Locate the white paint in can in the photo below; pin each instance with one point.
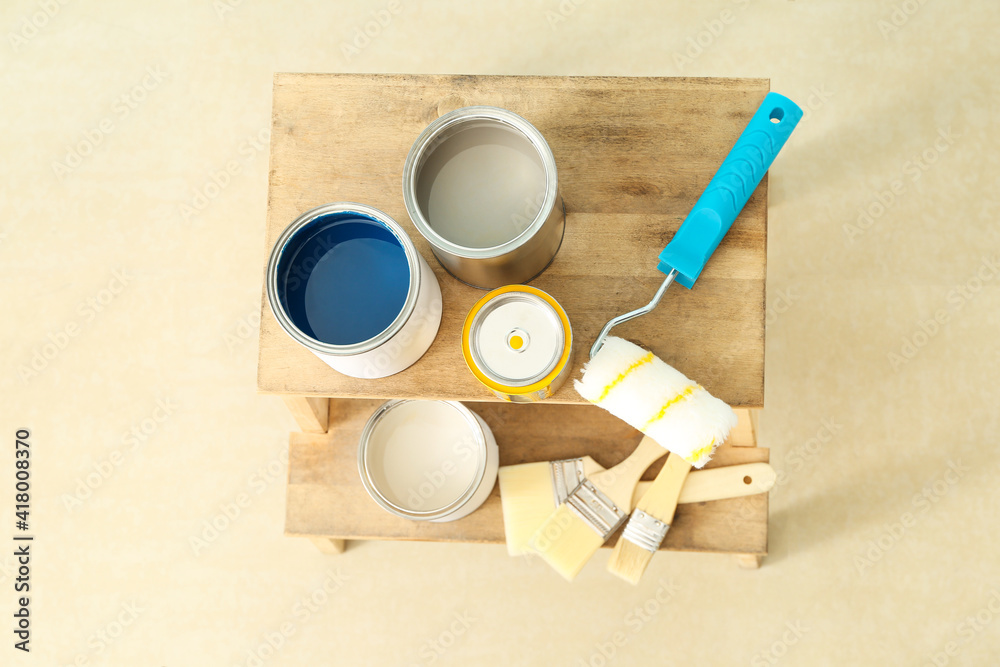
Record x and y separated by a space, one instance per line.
428 460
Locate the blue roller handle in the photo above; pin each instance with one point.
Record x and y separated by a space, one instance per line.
728 191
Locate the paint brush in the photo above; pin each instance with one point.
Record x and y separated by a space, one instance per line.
530 492
660 401
641 389
649 522
592 512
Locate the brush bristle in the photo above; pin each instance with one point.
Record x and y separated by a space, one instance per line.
527 501
629 561
566 542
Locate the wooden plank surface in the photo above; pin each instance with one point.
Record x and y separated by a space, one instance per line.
311 413
633 155
326 498
743 435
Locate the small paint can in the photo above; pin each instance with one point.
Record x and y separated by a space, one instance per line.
517 341
480 185
427 460
345 281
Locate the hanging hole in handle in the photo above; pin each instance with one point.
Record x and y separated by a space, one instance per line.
747 480
776 115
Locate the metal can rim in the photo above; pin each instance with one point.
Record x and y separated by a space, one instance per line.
551 376
463 115
476 429
386 334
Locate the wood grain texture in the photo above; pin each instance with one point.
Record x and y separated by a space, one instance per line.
326 498
311 413
743 434
633 155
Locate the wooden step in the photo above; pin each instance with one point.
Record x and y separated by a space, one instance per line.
326 498
633 155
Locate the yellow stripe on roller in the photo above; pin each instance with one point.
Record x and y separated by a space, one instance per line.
644 359
687 391
697 455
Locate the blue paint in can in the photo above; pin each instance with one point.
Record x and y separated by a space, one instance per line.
343 278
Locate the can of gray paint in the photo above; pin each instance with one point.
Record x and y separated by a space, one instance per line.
480 184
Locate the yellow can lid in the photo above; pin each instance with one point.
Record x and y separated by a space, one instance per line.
517 339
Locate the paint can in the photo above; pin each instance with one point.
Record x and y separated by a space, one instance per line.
517 341
427 460
480 185
345 281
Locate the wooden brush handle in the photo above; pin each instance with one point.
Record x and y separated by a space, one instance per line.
746 479
619 482
736 481
661 499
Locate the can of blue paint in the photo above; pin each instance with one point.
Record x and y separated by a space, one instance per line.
480 184
345 281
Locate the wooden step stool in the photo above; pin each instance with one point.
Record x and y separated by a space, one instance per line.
633 155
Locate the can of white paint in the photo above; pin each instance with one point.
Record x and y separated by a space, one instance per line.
427 460
480 184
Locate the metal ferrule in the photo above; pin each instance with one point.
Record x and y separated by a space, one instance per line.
645 530
593 506
566 476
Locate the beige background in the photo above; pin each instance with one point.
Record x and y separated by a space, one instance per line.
863 569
